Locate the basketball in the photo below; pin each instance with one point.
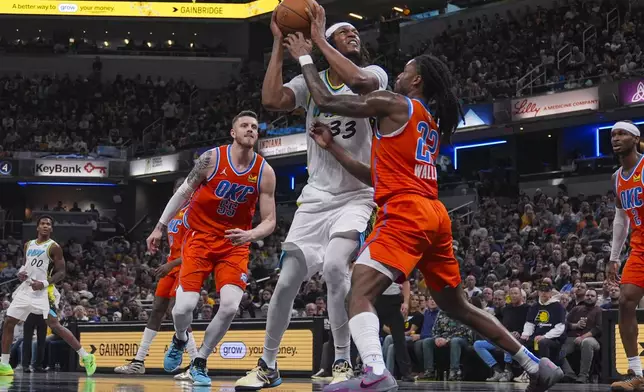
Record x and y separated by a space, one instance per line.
292 17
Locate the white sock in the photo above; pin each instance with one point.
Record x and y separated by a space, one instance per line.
5 359
528 361
270 355
146 341
191 347
82 353
635 364
229 298
364 329
337 275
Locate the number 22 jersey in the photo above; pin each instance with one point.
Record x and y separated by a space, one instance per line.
227 198
630 191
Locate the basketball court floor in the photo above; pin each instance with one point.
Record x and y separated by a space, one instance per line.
77 382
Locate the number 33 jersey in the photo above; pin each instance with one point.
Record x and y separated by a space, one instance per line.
353 134
630 192
227 198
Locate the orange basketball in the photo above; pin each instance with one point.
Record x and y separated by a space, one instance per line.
292 17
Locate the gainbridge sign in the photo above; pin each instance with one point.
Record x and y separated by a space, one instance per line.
139 9
621 363
238 350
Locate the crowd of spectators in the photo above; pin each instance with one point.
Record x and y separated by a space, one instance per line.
487 55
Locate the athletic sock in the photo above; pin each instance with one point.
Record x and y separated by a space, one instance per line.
527 360
5 359
182 335
146 341
191 347
82 353
635 364
270 356
364 329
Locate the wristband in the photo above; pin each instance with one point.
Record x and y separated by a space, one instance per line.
304 60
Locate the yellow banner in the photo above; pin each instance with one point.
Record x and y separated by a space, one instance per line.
238 350
621 362
138 9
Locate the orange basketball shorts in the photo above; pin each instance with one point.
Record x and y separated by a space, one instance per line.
167 286
203 254
415 232
633 272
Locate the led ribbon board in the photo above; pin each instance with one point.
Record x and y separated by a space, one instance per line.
139 9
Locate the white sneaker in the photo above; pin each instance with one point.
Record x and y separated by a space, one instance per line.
185 376
342 371
134 367
524 378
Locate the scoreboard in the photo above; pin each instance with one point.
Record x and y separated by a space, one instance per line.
208 9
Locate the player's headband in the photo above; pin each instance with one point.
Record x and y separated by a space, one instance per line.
628 127
335 27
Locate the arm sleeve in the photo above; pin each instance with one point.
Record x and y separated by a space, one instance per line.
383 78
177 200
555 332
301 91
620 232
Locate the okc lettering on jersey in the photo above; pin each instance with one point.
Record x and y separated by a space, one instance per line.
173 228
631 198
232 195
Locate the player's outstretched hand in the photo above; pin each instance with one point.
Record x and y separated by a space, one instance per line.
22 276
239 236
321 134
162 270
154 240
275 29
317 16
297 45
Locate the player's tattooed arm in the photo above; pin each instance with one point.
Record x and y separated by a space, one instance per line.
380 103
59 264
203 167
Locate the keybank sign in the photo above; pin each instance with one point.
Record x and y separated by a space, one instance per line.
71 168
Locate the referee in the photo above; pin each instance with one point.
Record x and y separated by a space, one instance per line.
390 306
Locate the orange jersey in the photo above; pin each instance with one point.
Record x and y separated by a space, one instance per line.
630 191
403 162
176 232
227 199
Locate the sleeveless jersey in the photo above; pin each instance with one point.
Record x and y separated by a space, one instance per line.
630 191
227 199
353 134
38 265
403 162
176 232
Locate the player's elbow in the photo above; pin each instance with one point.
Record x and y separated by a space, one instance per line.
277 101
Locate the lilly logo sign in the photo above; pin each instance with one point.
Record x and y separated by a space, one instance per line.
232 350
632 92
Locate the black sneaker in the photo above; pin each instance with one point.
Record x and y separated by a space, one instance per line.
258 378
40 369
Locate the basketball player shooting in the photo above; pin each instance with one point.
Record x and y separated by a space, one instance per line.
334 207
44 267
165 293
413 229
225 185
629 208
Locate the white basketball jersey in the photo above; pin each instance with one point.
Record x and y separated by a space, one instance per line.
38 264
353 134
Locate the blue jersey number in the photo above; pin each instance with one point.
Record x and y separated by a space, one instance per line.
427 143
227 208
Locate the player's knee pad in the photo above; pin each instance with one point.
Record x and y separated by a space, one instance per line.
185 302
230 297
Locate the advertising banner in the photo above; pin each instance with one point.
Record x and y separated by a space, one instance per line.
238 350
139 9
620 360
480 115
282 145
6 168
154 165
559 103
631 92
71 168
